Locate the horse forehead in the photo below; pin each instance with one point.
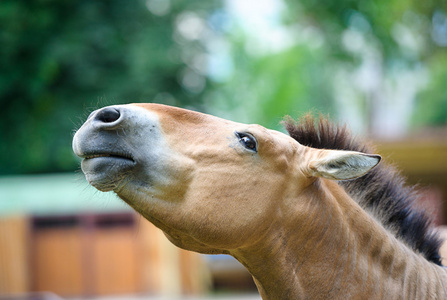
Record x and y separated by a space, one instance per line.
174 120
171 118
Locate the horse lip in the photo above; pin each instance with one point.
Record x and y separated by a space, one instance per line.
111 155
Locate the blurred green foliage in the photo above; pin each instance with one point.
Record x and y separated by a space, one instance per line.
59 60
263 89
389 53
406 35
431 108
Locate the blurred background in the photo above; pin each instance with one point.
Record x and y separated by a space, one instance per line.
379 66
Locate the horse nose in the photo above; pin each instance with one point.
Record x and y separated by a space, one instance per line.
107 115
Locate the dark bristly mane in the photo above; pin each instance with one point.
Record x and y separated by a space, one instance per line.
381 192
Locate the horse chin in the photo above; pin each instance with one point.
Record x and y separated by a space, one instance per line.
106 173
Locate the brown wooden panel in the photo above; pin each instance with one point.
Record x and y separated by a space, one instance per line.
14 273
110 254
167 269
150 256
417 157
116 267
58 261
195 277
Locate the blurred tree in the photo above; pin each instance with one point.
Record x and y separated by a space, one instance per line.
266 70
391 49
431 107
362 60
265 88
61 59
375 64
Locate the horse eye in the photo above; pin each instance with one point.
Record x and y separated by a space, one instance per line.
248 141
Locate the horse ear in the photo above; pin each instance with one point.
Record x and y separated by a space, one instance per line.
341 165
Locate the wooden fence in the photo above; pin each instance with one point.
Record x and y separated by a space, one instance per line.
87 255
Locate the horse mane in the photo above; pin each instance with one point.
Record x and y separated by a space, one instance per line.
381 192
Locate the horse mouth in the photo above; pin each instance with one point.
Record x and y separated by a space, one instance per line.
124 156
99 162
106 170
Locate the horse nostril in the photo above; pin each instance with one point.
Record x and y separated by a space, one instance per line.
108 115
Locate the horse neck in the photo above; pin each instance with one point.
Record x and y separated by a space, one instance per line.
327 247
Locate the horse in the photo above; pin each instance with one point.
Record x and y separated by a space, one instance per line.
311 214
